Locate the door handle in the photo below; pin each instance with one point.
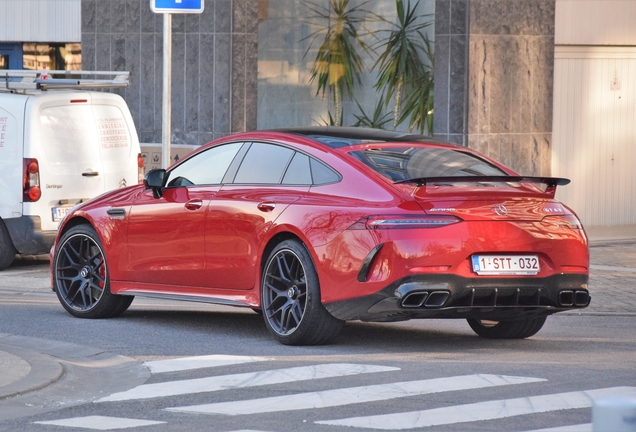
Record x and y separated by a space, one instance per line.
267 206
194 204
89 173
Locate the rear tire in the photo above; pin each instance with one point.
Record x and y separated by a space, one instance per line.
507 329
81 278
290 298
7 250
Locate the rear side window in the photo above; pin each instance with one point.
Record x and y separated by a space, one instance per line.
264 164
408 163
205 168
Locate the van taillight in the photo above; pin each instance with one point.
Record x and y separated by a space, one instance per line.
140 169
31 191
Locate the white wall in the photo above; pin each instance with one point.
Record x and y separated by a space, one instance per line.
594 132
595 22
594 123
40 20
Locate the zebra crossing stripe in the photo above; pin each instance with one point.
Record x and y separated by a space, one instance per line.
490 410
347 396
100 423
251 379
189 363
587 427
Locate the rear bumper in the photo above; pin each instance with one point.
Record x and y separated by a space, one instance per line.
27 235
451 296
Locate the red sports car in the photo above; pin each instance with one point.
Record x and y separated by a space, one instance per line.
316 226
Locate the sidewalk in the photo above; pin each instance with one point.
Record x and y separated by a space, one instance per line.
28 364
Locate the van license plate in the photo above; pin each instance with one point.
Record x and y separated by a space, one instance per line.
506 264
60 212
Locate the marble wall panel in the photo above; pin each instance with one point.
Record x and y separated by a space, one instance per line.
126 35
88 16
206 82
457 85
192 83
238 82
178 87
222 83
441 90
133 65
88 51
459 10
148 98
509 61
132 17
117 16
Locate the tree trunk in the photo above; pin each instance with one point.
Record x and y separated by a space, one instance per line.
337 100
398 102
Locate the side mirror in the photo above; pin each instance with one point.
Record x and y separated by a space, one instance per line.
154 180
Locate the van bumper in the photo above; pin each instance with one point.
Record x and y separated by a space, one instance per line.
27 235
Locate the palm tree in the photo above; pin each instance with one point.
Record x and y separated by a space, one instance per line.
337 65
400 63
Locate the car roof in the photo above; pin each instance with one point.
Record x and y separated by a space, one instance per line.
337 136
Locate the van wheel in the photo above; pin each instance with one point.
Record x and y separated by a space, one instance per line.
7 250
290 298
80 276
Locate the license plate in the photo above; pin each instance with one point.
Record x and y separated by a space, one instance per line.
506 264
60 212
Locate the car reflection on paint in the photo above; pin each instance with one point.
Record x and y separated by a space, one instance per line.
317 226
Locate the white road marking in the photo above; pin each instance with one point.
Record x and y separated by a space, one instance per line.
347 396
189 363
587 427
251 379
100 423
490 410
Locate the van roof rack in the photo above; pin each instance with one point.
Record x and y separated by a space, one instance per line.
73 79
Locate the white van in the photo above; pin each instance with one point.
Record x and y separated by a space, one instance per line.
59 146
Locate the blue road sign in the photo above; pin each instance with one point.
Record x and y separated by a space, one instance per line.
176 6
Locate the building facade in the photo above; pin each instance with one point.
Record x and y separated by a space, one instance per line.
544 86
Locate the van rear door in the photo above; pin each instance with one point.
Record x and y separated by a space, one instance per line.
82 149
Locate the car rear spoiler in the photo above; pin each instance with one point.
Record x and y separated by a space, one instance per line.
551 182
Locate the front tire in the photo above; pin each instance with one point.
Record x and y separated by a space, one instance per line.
7 250
290 298
507 329
81 278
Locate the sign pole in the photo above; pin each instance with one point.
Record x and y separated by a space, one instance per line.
166 102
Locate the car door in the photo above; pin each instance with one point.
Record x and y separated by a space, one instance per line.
245 209
166 234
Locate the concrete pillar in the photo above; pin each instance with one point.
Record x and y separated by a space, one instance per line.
494 64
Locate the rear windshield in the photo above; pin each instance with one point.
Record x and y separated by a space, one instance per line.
409 163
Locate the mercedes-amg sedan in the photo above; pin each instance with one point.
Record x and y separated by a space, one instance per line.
317 226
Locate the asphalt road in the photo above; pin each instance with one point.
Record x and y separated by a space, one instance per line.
418 375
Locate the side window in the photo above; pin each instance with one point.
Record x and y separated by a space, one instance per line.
298 172
322 174
264 164
205 168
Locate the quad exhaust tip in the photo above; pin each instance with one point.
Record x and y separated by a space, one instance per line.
578 298
428 299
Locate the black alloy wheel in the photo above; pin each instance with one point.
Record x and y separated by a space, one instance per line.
290 298
519 329
80 276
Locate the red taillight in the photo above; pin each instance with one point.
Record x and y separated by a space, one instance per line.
140 169
404 222
565 221
31 190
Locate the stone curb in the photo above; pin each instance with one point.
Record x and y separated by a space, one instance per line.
44 372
